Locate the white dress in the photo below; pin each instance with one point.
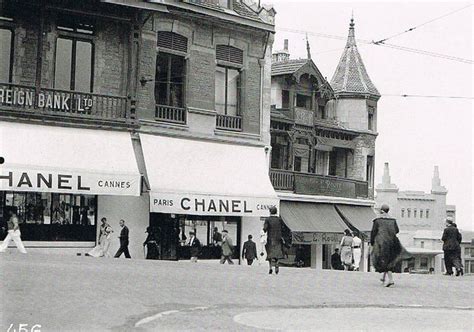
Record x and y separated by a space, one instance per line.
356 251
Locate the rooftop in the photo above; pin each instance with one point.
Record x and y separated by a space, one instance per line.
351 76
287 67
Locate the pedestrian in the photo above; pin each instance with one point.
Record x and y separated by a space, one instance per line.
123 241
249 251
151 244
387 251
13 233
336 260
216 237
451 246
105 233
227 248
458 252
356 250
346 249
272 228
194 246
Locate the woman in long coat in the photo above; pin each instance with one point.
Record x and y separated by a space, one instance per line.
387 251
273 247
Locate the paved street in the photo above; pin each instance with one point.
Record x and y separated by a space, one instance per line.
82 293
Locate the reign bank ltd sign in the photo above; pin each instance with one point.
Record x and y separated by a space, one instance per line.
51 100
215 205
69 182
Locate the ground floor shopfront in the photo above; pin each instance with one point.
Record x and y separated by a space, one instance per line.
316 226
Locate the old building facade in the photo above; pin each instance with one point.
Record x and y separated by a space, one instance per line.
156 113
323 148
421 218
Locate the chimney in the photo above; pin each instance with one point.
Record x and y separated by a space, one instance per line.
285 48
436 186
386 184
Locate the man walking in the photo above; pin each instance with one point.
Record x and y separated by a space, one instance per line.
249 252
336 260
451 246
227 248
195 247
13 234
123 241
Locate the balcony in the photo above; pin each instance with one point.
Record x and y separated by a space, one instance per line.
229 122
315 184
18 99
170 114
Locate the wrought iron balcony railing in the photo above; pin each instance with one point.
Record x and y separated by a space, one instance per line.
170 114
229 122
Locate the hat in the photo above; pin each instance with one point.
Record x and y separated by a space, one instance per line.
192 233
385 208
449 220
224 231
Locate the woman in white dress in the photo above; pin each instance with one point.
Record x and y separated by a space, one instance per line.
356 250
102 249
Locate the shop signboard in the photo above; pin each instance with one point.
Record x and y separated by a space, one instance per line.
316 238
71 182
215 205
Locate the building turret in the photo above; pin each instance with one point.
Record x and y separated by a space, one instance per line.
282 55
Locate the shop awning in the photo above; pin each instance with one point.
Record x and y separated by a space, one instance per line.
311 217
360 217
312 223
200 177
67 160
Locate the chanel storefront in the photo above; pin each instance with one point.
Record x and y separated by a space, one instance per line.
61 181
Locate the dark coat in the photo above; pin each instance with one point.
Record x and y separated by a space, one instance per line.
124 236
451 238
272 227
387 251
195 247
250 250
336 262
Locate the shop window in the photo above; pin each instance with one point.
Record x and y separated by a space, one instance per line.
469 252
403 213
73 64
303 101
408 213
469 266
6 55
52 217
285 99
227 84
170 80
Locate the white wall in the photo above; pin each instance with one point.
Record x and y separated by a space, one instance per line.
135 212
353 113
276 94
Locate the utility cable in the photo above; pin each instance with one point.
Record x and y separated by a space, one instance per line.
381 41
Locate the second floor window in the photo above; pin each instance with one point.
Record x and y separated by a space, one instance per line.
74 64
370 124
408 213
427 214
227 90
285 99
414 213
403 213
169 80
303 101
421 214
6 51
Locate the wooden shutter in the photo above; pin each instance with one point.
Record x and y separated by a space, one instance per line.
172 41
229 54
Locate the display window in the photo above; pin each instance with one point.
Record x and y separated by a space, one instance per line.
51 216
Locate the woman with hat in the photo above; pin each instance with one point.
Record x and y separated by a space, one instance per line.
387 251
346 249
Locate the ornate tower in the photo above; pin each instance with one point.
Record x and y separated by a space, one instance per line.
356 108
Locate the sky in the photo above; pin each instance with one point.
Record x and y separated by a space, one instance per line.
415 134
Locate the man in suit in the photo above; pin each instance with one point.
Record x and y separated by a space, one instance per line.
249 252
195 247
451 246
123 241
336 260
227 248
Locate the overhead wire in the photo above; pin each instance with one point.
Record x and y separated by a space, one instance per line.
420 25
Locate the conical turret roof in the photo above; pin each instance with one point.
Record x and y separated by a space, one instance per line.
350 76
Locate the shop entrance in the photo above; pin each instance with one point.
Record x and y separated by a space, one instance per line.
172 233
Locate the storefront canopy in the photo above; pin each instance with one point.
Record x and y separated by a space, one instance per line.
360 217
312 223
67 160
207 178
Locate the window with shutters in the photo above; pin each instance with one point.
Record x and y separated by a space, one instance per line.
229 54
228 80
169 80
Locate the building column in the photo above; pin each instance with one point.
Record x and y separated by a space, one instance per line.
317 256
